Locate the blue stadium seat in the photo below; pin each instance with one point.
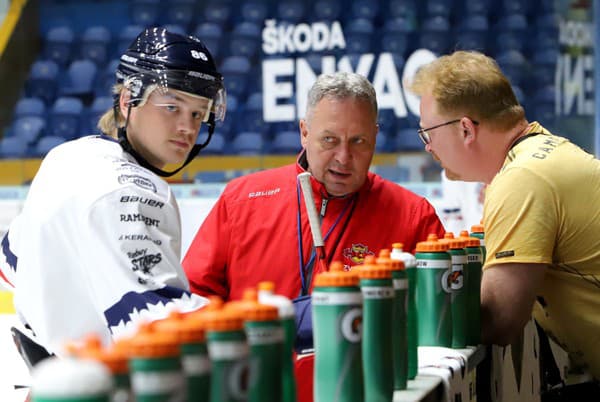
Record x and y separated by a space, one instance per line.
544 63
29 128
216 146
387 120
211 34
255 11
79 80
217 176
511 22
513 7
144 12
402 8
252 119
290 11
29 107
545 95
286 142
58 44
396 36
42 80
13 147
235 69
95 44
358 33
180 12
382 142
520 95
65 118
441 8
435 34
245 40
106 79
472 32
126 36
45 144
472 40
218 12
175 28
364 9
248 143
99 106
407 139
514 65
326 10
477 7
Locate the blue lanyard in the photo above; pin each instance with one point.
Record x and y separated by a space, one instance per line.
305 269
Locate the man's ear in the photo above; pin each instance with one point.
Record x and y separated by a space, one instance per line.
124 99
303 132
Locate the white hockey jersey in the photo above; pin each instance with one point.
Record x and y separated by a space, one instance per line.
96 247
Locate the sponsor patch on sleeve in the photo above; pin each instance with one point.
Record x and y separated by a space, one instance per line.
507 253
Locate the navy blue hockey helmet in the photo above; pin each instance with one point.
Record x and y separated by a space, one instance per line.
159 59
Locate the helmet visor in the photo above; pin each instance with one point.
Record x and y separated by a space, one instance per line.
192 82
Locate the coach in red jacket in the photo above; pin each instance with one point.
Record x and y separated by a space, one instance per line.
259 230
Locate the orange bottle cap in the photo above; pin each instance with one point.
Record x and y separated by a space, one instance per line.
186 329
469 241
477 229
251 309
372 270
454 244
218 318
384 252
336 276
398 245
268 286
448 235
431 244
116 359
148 343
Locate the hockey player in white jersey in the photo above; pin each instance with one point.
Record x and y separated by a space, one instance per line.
96 247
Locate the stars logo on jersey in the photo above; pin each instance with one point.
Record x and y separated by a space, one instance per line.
357 253
143 263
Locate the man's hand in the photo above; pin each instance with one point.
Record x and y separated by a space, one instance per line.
507 295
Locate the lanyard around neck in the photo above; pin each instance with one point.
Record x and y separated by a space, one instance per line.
306 269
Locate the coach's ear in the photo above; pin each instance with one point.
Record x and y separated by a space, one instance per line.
303 132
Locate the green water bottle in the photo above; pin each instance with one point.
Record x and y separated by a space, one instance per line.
70 380
378 307
399 342
458 284
474 258
410 265
228 352
479 232
155 364
433 293
337 322
265 339
190 332
285 309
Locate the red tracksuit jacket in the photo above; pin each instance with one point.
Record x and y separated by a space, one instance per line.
259 225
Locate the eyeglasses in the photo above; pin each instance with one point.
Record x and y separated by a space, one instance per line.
424 132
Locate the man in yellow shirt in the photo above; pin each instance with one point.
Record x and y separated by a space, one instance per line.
541 210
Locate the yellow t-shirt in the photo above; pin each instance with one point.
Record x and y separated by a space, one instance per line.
544 207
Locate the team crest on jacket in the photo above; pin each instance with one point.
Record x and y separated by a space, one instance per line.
357 253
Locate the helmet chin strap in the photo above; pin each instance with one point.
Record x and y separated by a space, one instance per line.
127 147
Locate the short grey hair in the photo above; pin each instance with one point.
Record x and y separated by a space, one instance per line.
341 85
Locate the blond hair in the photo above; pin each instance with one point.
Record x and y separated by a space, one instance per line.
470 83
106 123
